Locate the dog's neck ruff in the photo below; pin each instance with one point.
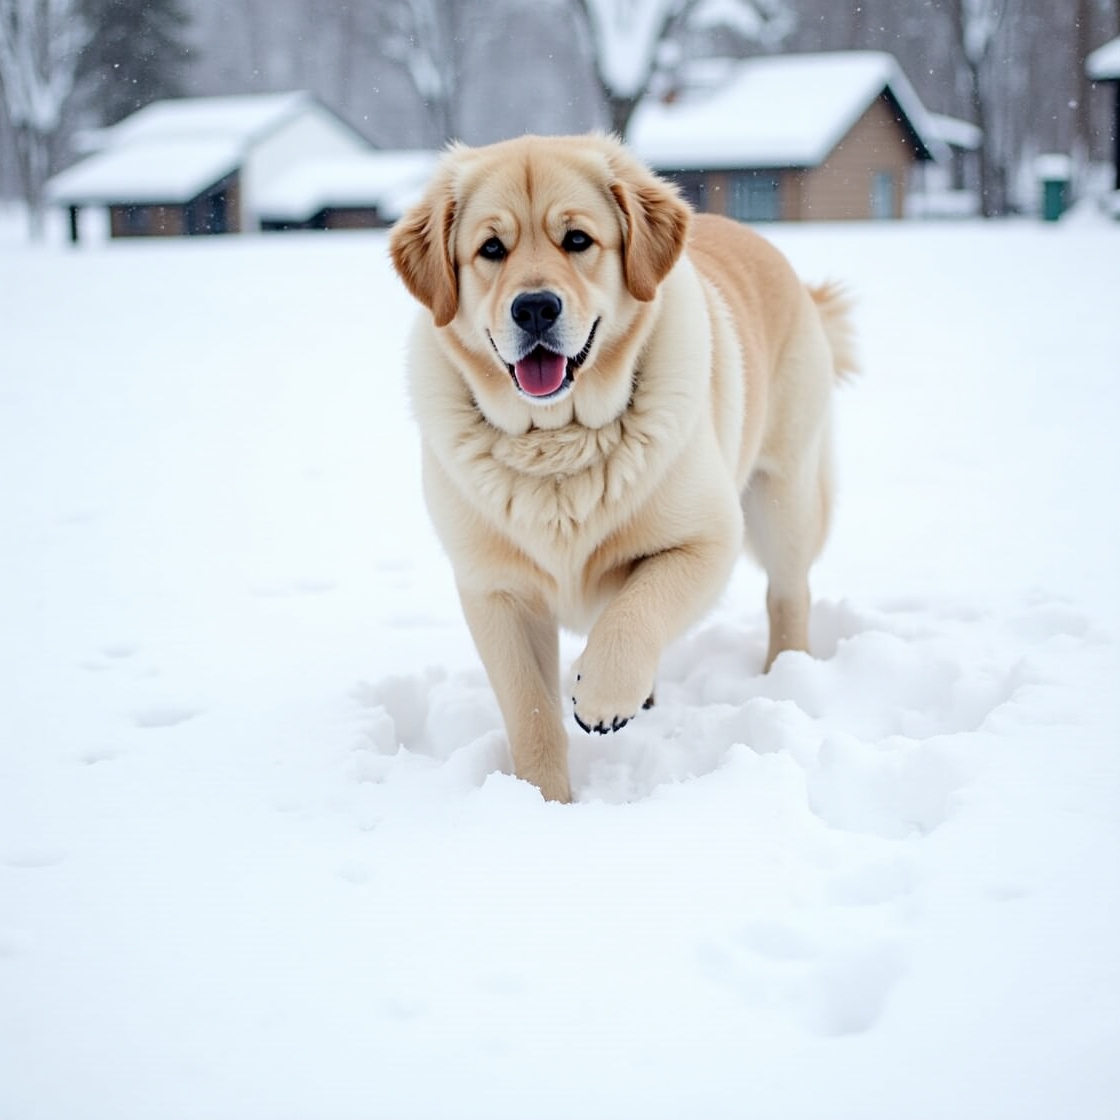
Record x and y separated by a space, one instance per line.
554 480
558 452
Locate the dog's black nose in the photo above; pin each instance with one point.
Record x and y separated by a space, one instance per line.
535 312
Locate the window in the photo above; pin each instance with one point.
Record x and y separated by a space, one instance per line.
882 195
755 197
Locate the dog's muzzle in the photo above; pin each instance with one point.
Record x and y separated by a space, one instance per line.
543 371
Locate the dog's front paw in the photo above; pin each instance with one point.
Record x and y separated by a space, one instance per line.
603 725
605 702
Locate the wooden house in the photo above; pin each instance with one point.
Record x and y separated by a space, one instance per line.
829 137
198 165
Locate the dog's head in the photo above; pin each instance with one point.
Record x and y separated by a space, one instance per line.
538 257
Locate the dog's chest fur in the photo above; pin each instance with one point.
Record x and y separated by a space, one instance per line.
568 498
554 492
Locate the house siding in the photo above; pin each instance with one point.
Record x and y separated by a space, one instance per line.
790 187
233 194
147 221
350 217
717 193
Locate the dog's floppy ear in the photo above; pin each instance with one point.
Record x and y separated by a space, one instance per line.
656 221
420 246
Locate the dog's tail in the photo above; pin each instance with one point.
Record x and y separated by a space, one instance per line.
834 305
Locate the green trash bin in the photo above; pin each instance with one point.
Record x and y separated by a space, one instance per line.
1053 173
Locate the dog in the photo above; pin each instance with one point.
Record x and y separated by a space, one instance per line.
614 395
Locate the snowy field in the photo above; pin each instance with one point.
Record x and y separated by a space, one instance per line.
261 856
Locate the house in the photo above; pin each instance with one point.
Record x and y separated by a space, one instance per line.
1103 65
815 136
363 190
198 165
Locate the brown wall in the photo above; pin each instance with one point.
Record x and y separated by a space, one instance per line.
840 188
146 221
233 191
356 217
719 192
792 187
149 220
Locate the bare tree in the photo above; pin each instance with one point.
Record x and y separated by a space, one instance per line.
426 39
975 25
40 45
633 40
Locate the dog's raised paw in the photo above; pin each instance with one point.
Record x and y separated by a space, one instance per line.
606 724
607 696
602 728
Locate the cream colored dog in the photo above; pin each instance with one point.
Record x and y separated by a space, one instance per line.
608 390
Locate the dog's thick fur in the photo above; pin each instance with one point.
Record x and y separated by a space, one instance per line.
697 377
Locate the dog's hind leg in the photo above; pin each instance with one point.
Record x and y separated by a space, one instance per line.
787 521
787 502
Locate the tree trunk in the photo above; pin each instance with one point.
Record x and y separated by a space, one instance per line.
621 110
991 200
975 55
31 156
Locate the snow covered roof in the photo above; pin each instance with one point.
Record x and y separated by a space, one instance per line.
156 171
386 180
241 117
170 151
955 132
1103 64
777 111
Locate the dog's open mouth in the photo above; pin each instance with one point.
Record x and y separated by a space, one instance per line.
542 373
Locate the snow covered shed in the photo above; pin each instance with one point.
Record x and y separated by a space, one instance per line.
827 136
364 190
1103 65
198 165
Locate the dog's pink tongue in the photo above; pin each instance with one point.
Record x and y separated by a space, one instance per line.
541 373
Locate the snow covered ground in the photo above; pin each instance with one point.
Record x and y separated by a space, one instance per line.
261 856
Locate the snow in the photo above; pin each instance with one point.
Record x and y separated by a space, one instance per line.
777 111
626 35
1104 63
261 855
953 131
1053 165
243 117
175 170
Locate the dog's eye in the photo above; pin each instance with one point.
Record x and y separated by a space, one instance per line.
576 241
492 250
